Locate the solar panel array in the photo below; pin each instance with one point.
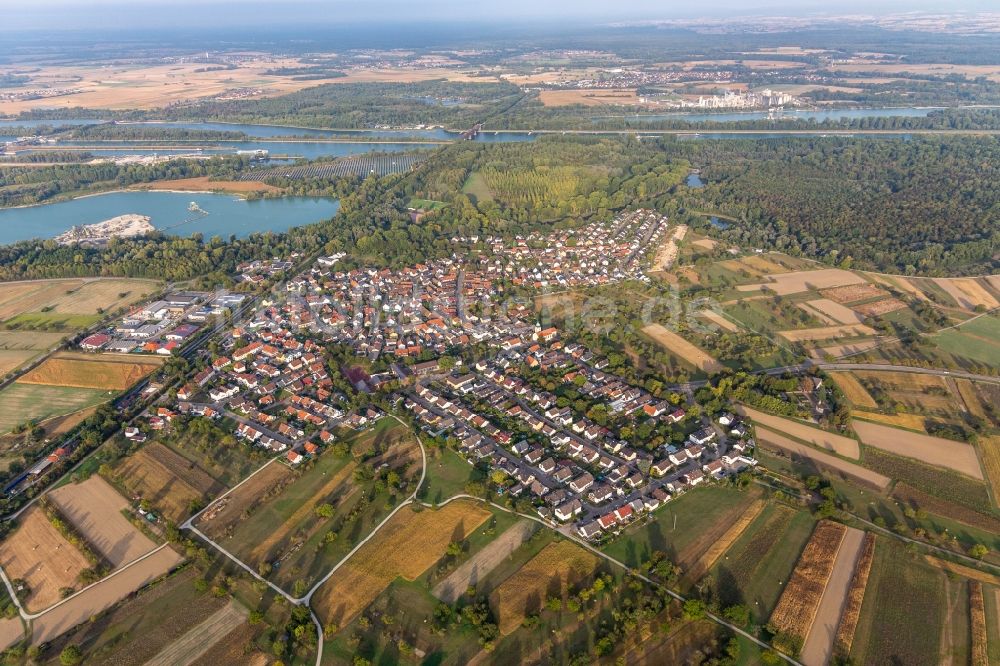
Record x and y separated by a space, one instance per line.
359 165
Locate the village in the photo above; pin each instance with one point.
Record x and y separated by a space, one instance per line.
577 463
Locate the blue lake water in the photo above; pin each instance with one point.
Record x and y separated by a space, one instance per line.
833 115
168 211
694 180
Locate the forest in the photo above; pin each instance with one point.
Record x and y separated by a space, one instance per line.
922 206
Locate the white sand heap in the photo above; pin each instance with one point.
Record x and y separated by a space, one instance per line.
123 226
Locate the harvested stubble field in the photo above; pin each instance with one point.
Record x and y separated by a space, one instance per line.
482 563
719 546
409 544
19 347
103 595
853 293
720 321
799 602
11 631
796 282
827 333
967 292
831 312
232 649
219 518
977 617
683 349
548 574
115 373
38 554
94 508
853 389
822 460
909 421
819 644
957 456
967 391
962 570
829 441
855 597
840 351
71 296
902 380
168 480
23 402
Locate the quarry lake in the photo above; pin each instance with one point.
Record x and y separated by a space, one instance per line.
169 212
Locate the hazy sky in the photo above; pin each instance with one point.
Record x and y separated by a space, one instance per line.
59 14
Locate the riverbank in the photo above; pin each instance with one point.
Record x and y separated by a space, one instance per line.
203 185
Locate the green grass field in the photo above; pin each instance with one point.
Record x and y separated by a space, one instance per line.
446 477
426 204
476 187
23 402
754 569
677 524
51 321
978 340
903 612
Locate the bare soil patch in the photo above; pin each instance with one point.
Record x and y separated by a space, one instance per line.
11 631
39 555
824 460
845 446
682 348
483 562
98 597
95 509
957 456
205 184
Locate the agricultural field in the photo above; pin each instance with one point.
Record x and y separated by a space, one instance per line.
202 637
844 446
977 618
957 456
171 483
407 546
830 312
549 574
39 555
978 340
95 510
796 282
683 349
679 528
937 481
904 609
135 630
720 321
854 293
853 390
969 293
109 372
792 619
220 518
20 403
823 461
753 570
306 521
20 347
484 561
989 448
851 612
827 333
67 305
707 560
819 642
916 422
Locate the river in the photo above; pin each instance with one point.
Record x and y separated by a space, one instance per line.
168 211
